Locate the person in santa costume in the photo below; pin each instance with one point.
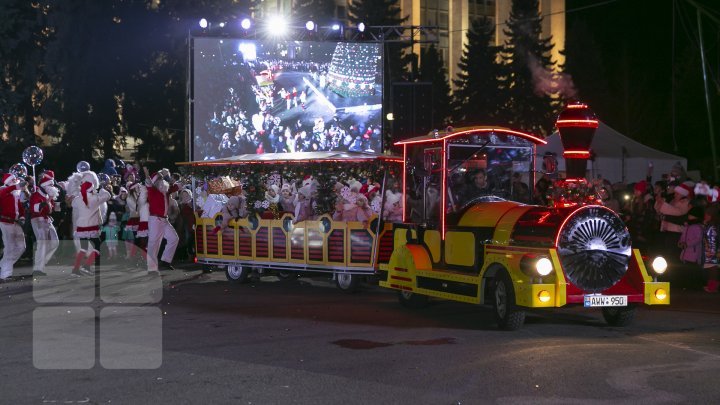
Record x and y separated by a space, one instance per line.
138 212
89 217
673 215
159 187
42 204
11 213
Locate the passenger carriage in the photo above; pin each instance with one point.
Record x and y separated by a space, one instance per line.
347 250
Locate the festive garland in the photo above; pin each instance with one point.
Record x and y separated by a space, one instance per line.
254 178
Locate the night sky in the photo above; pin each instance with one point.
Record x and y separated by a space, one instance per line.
631 87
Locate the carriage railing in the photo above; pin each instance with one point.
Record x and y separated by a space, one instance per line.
318 244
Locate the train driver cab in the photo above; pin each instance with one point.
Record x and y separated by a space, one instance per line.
458 168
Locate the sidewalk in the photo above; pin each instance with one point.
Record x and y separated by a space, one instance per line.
22 274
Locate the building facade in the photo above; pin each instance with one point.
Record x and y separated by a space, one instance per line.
454 18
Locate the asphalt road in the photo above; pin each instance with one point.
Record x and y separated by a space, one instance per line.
305 342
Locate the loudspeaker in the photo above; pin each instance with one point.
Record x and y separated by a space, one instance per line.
412 110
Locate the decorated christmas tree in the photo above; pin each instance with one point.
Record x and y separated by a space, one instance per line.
353 69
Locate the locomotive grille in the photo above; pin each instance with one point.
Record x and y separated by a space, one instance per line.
594 248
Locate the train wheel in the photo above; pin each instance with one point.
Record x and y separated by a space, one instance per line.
237 274
507 314
619 316
348 283
413 300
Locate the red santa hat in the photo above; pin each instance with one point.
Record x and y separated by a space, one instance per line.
155 177
714 193
47 179
9 179
90 177
641 186
685 189
84 188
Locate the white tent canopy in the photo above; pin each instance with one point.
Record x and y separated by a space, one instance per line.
617 157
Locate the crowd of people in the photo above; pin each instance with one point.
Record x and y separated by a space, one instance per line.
144 218
238 126
673 216
132 214
137 211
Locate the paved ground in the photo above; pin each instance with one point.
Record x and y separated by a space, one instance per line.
303 341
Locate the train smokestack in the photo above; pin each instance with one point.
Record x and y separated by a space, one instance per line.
577 124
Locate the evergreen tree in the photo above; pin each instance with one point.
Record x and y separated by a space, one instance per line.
530 97
433 71
23 35
476 98
321 12
89 74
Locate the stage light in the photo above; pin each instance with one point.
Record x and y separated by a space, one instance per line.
246 23
361 27
222 25
336 27
310 26
390 117
277 25
203 23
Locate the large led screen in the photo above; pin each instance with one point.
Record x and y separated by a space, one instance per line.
253 96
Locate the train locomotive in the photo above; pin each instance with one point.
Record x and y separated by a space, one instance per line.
470 235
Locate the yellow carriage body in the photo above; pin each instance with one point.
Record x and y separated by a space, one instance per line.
317 245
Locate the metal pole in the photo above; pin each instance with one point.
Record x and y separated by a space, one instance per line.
380 217
707 98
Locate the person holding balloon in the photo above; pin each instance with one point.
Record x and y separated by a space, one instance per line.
42 204
11 216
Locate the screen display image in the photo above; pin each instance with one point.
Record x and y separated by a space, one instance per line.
253 96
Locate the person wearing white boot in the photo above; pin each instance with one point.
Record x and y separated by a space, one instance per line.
42 204
11 213
159 187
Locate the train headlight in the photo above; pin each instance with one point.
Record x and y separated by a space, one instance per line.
543 266
659 265
535 265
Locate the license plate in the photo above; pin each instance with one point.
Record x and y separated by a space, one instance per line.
605 301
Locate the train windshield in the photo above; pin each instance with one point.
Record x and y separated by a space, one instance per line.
476 171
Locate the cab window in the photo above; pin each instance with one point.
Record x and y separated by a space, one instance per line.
423 183
476 171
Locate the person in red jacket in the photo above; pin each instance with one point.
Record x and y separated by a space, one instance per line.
11 213
159 187
42 204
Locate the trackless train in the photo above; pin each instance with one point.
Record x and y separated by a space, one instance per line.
468 231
